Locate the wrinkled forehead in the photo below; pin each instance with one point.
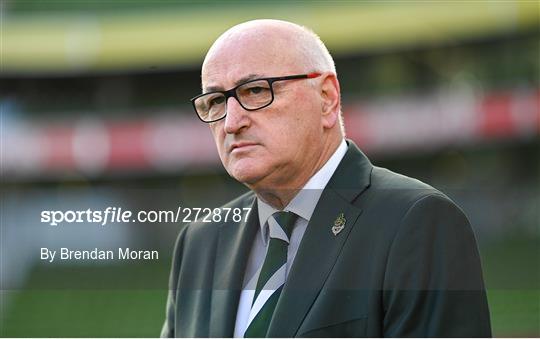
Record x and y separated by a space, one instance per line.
249 54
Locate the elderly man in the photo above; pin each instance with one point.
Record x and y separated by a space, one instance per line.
333 246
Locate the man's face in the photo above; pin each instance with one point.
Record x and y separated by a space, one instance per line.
266 148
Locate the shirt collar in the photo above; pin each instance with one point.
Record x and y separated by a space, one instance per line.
304 203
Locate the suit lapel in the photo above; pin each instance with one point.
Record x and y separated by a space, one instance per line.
234 245
320 248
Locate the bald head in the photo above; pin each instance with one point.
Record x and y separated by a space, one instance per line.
265 47
286 41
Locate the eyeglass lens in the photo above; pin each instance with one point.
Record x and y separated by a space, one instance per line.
251 95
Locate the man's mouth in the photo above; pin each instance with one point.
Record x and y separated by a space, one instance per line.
241 146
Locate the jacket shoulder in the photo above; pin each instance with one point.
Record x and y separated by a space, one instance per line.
391 195
391 184
385 178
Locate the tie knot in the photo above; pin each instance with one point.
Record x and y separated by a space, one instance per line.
286 221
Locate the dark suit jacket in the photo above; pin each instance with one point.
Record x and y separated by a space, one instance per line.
405 264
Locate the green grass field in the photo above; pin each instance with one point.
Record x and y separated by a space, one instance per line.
85 313
512 275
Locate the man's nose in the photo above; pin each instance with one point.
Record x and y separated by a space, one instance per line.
236 118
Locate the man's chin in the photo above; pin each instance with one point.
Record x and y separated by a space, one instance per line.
249 179
246 174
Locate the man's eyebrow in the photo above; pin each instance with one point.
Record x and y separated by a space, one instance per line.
248 77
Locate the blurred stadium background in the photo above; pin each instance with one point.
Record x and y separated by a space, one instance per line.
95 112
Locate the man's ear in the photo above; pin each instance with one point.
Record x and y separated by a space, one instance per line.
331 101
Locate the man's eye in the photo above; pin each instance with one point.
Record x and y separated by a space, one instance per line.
256 90
217 101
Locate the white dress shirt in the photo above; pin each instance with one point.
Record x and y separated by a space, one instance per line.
303 204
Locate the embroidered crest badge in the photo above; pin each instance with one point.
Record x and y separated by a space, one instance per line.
339 224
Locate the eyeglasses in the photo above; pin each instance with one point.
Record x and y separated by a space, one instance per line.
251 95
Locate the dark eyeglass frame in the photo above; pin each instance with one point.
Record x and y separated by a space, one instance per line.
232 92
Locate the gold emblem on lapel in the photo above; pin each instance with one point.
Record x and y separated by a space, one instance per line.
339 224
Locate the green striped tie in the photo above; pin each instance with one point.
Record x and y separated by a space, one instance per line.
272 275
